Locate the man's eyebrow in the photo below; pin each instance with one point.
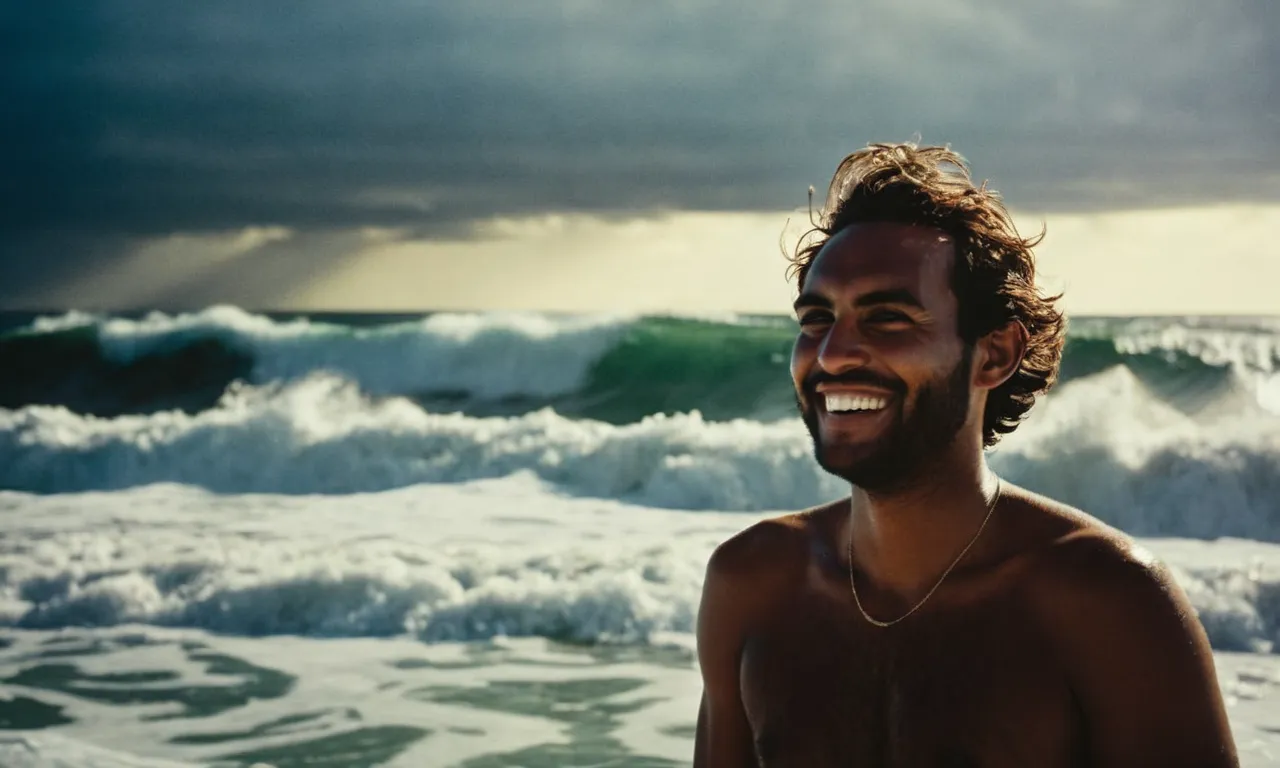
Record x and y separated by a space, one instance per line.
887 296
811 300
891 296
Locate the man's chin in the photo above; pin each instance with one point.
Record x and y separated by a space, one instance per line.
847 461
854 449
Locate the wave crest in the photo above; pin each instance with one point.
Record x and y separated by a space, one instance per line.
615 369
1137 463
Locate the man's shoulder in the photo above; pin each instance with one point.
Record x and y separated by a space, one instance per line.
764 548
1078 553
747 577
767 559
1090 578
1133 651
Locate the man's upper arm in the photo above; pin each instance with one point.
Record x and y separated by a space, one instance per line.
738 588
1139 661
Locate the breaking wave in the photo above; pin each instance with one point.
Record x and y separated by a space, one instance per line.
1138 463
614 369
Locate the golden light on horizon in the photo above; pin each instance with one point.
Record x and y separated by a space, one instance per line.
1206 260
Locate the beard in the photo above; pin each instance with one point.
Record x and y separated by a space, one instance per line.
907 446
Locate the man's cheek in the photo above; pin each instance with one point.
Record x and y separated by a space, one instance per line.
803 358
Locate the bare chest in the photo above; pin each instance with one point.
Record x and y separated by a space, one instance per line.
973 687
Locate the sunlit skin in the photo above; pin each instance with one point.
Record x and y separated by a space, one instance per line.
1054 641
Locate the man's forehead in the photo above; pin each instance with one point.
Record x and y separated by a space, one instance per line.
881 250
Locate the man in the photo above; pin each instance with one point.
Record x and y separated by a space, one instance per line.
939 616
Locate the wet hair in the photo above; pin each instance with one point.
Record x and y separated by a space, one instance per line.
994 274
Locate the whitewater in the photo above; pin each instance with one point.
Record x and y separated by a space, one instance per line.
478 539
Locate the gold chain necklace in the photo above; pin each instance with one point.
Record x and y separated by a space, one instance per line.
852 585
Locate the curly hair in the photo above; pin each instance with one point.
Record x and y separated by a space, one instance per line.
994 274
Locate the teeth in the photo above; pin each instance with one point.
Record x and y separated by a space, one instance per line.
837 403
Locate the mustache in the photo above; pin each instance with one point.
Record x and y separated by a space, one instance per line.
851 378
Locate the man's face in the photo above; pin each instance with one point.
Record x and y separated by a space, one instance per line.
882 377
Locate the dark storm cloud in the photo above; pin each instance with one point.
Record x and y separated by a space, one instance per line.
142 117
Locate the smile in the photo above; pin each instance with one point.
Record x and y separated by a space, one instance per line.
836 402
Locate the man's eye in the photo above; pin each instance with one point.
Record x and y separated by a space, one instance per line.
814 318
888 316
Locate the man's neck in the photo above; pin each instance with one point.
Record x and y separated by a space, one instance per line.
905 540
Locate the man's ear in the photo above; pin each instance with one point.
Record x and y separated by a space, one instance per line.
999 354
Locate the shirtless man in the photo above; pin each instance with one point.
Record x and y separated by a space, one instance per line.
939 616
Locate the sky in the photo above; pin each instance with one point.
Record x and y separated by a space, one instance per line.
631 155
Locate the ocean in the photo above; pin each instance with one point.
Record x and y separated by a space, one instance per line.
473 540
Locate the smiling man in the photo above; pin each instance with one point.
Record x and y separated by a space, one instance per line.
939 616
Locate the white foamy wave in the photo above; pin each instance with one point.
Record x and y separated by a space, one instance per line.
1250 347
1246 343
360 595
440 563
489 355
1135 463
1106 445
322 435
1253 356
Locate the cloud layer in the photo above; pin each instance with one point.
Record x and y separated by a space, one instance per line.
143 117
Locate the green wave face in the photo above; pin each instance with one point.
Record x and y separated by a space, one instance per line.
69 368
652 365
674 366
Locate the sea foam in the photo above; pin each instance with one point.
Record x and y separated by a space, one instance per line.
508 557
1136 462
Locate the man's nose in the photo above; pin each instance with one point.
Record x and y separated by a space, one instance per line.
843 349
